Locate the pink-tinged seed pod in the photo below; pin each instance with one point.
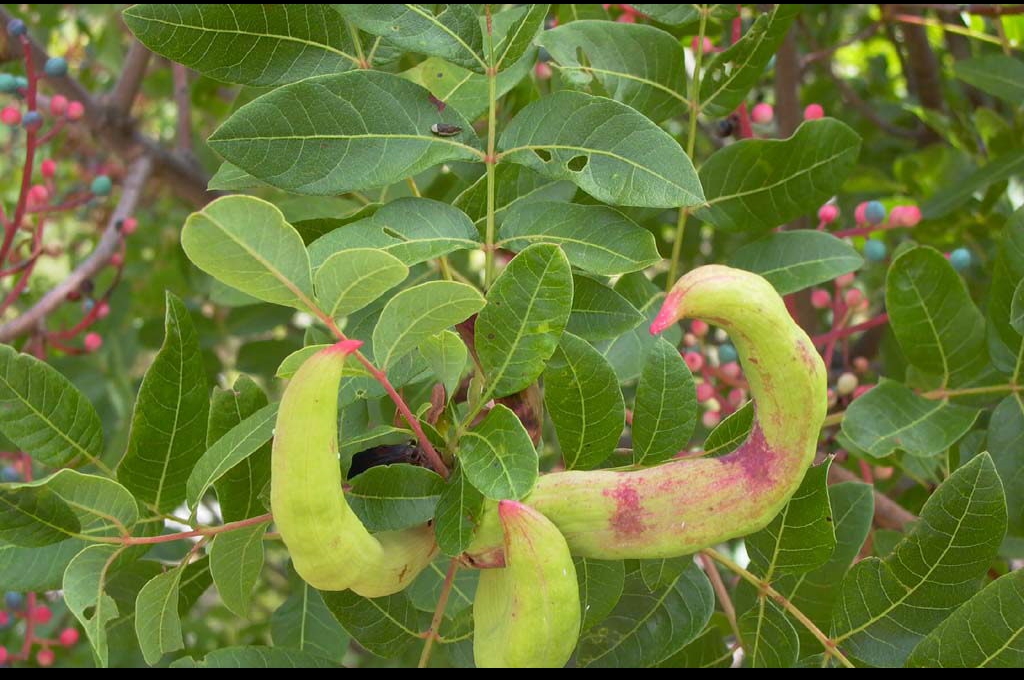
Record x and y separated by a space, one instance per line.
684 505
762 113
814 112
828 213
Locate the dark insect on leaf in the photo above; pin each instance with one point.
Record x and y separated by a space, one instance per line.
445 129
384 455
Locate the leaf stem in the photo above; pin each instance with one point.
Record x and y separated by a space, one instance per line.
442 604
691 143
490 159
358 44
167 538
764 589
723 595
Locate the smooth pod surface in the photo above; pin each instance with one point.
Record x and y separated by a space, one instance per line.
527 615
330 547
682 506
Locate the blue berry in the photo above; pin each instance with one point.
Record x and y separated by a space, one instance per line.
16 27
9 474
874 213
960 259
14 600
56 67
8 83
726 354
32 120
101 186
874 250
21 82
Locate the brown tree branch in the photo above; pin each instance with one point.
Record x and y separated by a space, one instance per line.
121 98
135 181
183 103
993 10
888 513
185 178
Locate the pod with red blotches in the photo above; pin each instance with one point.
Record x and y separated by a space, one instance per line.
527 614
329 546
682 506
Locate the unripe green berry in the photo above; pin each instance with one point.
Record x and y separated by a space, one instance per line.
101 186
56 67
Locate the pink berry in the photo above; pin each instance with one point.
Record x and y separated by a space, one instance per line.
854 297
3 655
542 70
38 194
69 637
828 213
627 18
58 105
762 113
116 260
820 299
48 168
45 657
696 44
694 360
832 397
689 340
11 115
699 328
129 225
5 619
905 216
814 112
845 280
859 214
736 396
93 341
76 110
705 391
711 418
862 390
861 364
102 310
42 614
730 369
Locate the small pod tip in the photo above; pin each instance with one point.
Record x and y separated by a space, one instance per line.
510 509
669 312
346 347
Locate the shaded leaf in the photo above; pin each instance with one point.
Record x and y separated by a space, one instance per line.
458 509
599 312
34 516
236 560
239 489
601 586
665 411
391 497
998 75
85 594
255 657
304 623
1006 444
794 260
498 457
731 432
769 639
157 623
387 626
350 280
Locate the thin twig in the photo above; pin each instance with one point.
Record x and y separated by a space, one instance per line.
888 513
121 98
442 603
183 103
135 180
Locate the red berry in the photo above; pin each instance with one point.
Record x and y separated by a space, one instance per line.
730 369
695 44
48 168
762 113
705 391
828 213
699 328
861 364
38 194
58 104
76 110
11 115
3 655
862 390
69 637
820 299
42 614
711 418
627 18
45 657
905 216
116 260
5 619
694 360
129 225
102 310
542 70
736 397
813 112
854 297
845 280
859 215
93 341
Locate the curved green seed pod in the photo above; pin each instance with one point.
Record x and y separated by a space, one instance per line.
330 547
527 615
683 506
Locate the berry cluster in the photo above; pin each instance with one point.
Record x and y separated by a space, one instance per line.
34 618
709 355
